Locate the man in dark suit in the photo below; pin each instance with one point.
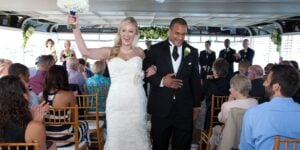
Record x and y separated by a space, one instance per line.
174 91
246 54
206 59
255 74
229 55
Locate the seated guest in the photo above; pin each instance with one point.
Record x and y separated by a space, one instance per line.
22 72
74 76
4 65
267 69
84 68
255 74
219 85
17 124
57 94
240 86
243 68
43 62
280 116
98 80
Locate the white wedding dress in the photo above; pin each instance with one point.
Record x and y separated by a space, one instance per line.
126 106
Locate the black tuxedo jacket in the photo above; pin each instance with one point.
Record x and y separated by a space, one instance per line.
163 99
229 56
247 56
206 59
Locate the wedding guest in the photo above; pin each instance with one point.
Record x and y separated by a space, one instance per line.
74 76
98 80
206 59
240 86
280 116
229 55
17 124
56 93
255 74
22 72
246 54
84 68
218 86
50 49
43 63
4 65
67 53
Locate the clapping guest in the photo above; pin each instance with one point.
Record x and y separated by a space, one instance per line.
17 124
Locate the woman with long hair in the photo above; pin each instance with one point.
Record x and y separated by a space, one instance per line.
126 100
57 94
17 124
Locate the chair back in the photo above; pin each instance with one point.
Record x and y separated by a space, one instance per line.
216 103
88 106
63 116
101 91
20 146
232 130
287 144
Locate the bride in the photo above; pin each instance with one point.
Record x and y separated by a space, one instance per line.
126 100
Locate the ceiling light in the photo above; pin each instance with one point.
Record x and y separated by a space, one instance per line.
160 1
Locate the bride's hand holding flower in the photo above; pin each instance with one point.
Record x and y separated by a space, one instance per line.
73 21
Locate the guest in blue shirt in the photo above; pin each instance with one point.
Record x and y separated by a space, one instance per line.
98 83
280 116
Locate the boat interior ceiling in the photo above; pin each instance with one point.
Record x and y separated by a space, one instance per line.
256 16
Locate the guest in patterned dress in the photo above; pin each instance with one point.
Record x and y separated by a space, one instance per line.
98 83
57 94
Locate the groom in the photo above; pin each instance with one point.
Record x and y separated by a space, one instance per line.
173 100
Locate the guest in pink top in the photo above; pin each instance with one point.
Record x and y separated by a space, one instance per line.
240 86
43 62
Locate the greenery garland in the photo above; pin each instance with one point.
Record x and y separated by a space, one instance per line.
27 33
276 39
154 32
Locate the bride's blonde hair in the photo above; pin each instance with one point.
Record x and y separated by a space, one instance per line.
116 48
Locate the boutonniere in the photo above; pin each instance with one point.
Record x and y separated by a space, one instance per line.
186 51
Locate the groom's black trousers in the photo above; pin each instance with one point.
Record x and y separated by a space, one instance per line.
175 127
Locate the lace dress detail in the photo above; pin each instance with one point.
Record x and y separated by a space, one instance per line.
126 106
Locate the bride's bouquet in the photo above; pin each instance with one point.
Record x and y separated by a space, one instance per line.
72 7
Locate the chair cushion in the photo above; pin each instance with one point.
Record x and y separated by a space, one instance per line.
92 124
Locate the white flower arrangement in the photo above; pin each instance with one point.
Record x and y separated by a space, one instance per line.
186 51
72 7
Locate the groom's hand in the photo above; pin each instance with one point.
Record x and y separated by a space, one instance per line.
170 81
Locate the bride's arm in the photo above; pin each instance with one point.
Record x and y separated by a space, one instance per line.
92 53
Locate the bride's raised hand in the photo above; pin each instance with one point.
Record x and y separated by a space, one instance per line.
73 20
